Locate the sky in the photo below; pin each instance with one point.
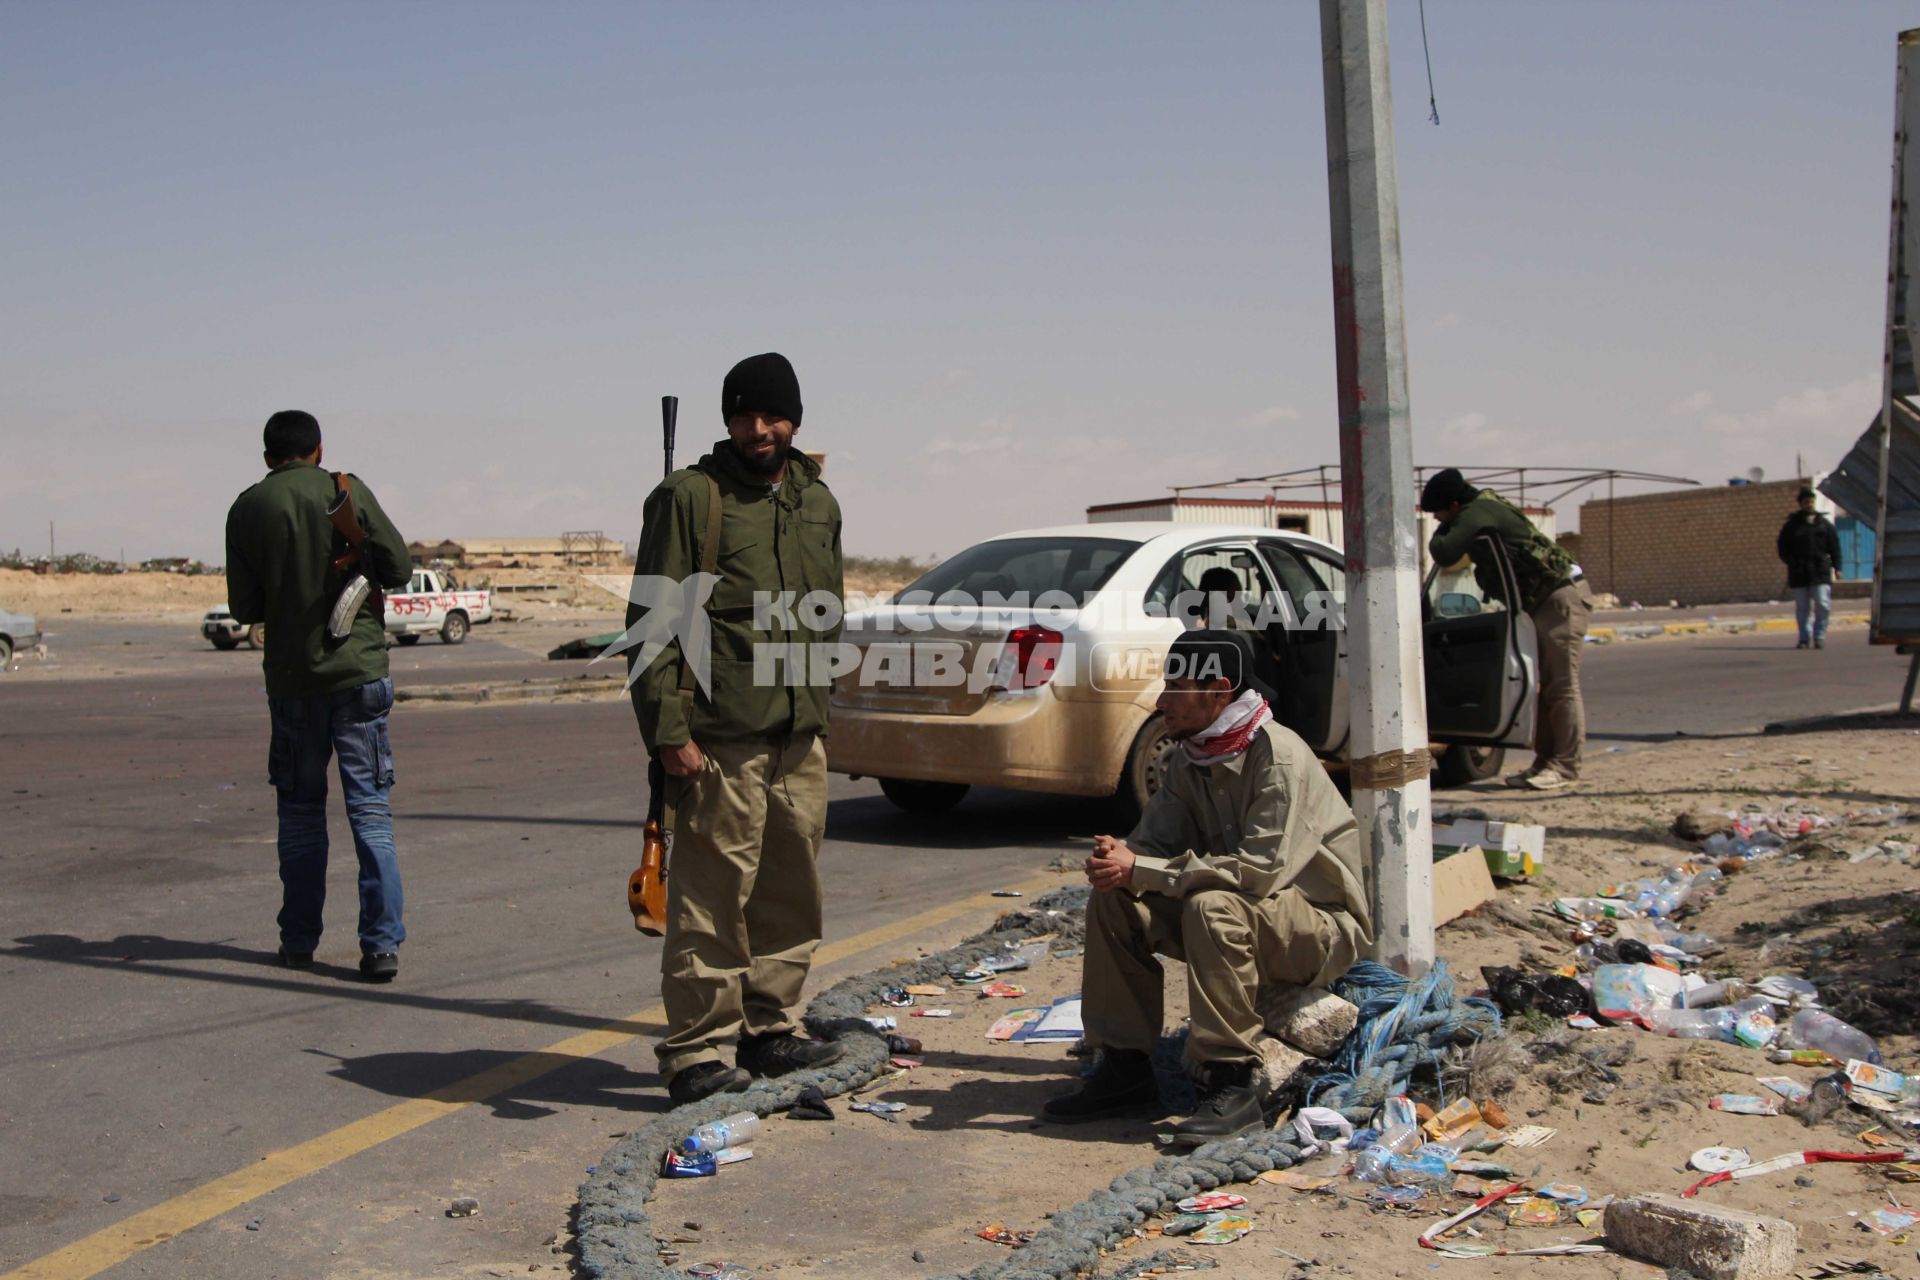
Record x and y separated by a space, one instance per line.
1025 257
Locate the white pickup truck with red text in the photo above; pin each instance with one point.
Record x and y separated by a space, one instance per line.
431 601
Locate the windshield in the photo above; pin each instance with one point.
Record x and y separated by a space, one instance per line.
1021 570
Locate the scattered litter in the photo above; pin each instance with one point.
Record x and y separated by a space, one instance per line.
1720 1159
924 989
1163 1261
1456 1120
1008 893
906 1062
1434 1237
1223 1229
904 1044
1010 1025
719 1271
810 1105
1535 1211
1296 1180
1312 1124
1803 1058
1787 1087
896 998
700 1164
1002 991
1000 1233
885 1110
1210 1202
463 1207
1793 1160
1888 1222
1186 1224
930 1013
254 1225
1530 1135
1404 1195
1876 1079
1744 1104
882 1024
1058 1021
1564 1193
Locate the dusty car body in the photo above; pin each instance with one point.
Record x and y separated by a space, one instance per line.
1061 698
17 631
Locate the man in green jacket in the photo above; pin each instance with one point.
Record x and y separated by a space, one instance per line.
744 757
1246 865
1552 590
325 696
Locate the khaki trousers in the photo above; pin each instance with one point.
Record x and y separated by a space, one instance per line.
743 894
1231 943
1560 727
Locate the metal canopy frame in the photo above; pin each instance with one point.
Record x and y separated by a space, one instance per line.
1560 482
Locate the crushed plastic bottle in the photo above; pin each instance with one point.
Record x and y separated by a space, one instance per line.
1693 1024
1815 1028
1376 1164
736 1130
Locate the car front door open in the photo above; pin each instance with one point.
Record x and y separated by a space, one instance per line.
1482 663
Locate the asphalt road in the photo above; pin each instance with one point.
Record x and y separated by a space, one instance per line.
149 1048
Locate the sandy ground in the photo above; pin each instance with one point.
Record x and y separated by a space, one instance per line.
861 1196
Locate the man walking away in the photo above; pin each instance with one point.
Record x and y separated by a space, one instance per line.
1809 546
746 764
1552 590
1246 865
325 695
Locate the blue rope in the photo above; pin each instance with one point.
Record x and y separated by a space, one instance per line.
1403 1026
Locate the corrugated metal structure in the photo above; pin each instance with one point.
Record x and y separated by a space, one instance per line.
1881 474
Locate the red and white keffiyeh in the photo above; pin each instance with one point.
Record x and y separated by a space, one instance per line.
1231 731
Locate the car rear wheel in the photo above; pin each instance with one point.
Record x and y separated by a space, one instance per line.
408 638
6 652
454 629
1145 771
1462 764
224 642
923 797
257 635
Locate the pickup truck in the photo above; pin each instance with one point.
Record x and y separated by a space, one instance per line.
433 601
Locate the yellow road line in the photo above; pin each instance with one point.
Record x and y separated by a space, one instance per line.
110 1246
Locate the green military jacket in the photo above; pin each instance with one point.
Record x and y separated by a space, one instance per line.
280 551
1540 565
770 542
1266 820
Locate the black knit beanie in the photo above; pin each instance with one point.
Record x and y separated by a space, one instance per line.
765 383
1444 488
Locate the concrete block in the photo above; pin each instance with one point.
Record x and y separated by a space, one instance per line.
1311 1019
1278 1062
1707 1240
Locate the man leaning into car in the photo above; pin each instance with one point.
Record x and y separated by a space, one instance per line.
1246 865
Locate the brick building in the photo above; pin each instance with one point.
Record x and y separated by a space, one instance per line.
1697 546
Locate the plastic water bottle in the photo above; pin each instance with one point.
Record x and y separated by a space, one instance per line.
1693 1024
1376 1163
1427 1167
1668 900
1711 875
736 1130
1818 1029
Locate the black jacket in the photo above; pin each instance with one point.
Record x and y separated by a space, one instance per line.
1810 547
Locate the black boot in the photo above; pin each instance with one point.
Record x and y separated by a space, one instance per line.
1122 1081
703 1080
1229 1104
783 1051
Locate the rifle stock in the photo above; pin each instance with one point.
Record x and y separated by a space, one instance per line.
647 886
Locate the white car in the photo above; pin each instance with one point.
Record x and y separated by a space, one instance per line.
1066 704
219 626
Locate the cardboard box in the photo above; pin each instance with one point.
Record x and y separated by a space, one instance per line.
1513 850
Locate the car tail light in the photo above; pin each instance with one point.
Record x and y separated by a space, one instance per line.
1035 652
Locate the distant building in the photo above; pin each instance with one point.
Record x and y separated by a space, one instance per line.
1707 545
578 551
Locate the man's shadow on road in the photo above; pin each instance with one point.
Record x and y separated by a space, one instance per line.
156 956
515 1086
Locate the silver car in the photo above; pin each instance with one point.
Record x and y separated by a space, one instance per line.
17 632
1061 699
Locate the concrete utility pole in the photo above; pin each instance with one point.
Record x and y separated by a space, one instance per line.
1391 797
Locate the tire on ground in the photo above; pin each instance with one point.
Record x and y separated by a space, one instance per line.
1463 763
225 642
1143 772
454 629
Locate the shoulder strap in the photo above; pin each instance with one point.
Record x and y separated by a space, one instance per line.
709 560
341 513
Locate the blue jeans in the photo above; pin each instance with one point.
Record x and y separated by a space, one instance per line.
307 731
1813 603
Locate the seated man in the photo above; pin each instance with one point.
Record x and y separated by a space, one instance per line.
1246 865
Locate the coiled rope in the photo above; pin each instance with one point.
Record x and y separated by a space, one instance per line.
1403 1027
